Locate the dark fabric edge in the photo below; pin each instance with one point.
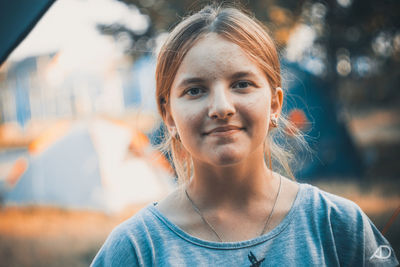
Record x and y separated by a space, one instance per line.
22 36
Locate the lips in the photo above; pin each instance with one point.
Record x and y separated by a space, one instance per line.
224 130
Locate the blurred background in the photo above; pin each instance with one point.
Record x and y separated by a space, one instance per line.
79 125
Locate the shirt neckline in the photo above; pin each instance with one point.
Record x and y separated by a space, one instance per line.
233 245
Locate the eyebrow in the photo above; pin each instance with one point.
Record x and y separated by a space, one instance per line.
242 74
188 81
236 75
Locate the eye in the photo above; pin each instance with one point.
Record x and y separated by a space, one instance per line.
242 85
195 91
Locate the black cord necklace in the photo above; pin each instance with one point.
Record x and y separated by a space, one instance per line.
197 210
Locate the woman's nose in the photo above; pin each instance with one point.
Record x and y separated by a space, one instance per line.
221 105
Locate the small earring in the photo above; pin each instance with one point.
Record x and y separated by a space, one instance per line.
274 121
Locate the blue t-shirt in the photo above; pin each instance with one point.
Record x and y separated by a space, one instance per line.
321 229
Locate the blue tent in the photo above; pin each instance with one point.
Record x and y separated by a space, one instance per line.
67 174
333 152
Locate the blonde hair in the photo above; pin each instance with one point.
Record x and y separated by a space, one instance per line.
240 28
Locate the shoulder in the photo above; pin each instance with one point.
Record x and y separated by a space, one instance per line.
134 227
326 214
325 203
355 236
344 217
121 246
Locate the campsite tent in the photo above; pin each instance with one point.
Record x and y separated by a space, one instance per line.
333 152
89 167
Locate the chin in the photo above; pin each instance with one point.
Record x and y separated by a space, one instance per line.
227 159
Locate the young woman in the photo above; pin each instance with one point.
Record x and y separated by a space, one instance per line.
219 95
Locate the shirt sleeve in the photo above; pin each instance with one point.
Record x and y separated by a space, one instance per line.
378 251
118 250
358 241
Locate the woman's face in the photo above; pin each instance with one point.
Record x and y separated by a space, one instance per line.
220 103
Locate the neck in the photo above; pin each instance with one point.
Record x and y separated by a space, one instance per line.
235 186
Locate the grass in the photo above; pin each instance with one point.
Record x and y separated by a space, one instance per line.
45 236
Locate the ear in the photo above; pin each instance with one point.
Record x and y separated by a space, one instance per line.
169 122
276 101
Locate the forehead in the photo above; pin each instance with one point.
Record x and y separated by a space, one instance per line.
213 56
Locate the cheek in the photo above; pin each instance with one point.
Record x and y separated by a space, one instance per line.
256 112
261 98
187 118
189 127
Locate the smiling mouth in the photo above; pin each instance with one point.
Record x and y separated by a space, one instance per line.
225 130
